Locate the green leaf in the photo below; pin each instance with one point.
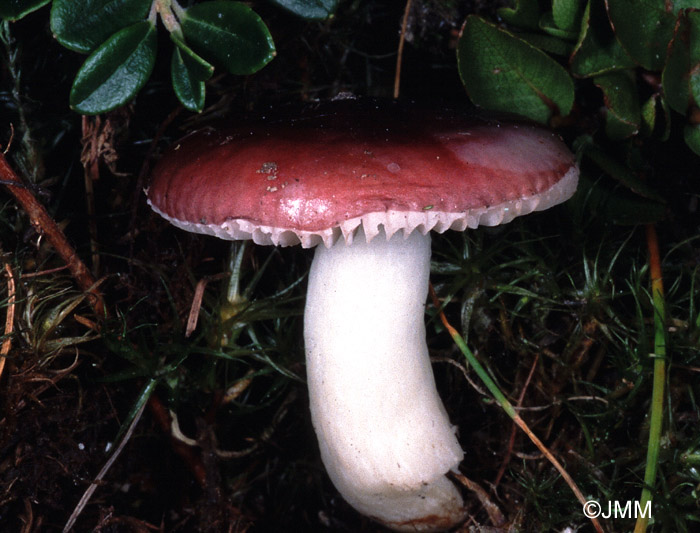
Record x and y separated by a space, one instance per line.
189 90
309 9
504 73
16 9
548 25
547 43
694 46
116 71
82 25
597 50
680 76
675 76
691 134
623 114
229 33
567 14
526 14
199 69
644 28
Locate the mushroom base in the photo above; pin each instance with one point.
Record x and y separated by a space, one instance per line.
384 435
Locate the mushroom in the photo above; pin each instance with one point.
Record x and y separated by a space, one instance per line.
366 183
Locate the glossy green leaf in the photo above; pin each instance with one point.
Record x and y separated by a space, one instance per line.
644 28
694 48
679 78
567 14
116 71
188 89
525 14
675 76
691 134
83 25
623 114
597 50
198 68
548 25
309 9
548 43
504 73
16 9
229 33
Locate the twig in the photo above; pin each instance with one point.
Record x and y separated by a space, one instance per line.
28 517
511 440
495 514
93 486
464 372
399 54
46 272
196 305
9 142
9 318
508 407
43 222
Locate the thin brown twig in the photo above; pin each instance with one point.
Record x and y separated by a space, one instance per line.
196 305
48 382
399 54
93 486
464 372
508 408
495 514
9 317
39 273
43 222
28 518
12 137
514 429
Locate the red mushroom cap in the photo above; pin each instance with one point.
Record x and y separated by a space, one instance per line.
343 164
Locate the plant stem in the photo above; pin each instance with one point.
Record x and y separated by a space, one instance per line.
43 222
508 407
399 54
659 380
169 11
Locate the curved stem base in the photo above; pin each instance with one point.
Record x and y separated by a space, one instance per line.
384 435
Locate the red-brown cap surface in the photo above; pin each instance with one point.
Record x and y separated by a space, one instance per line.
343 164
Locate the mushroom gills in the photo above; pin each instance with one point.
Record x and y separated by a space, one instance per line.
384 435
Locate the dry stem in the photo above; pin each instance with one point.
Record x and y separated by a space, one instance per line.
46 225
